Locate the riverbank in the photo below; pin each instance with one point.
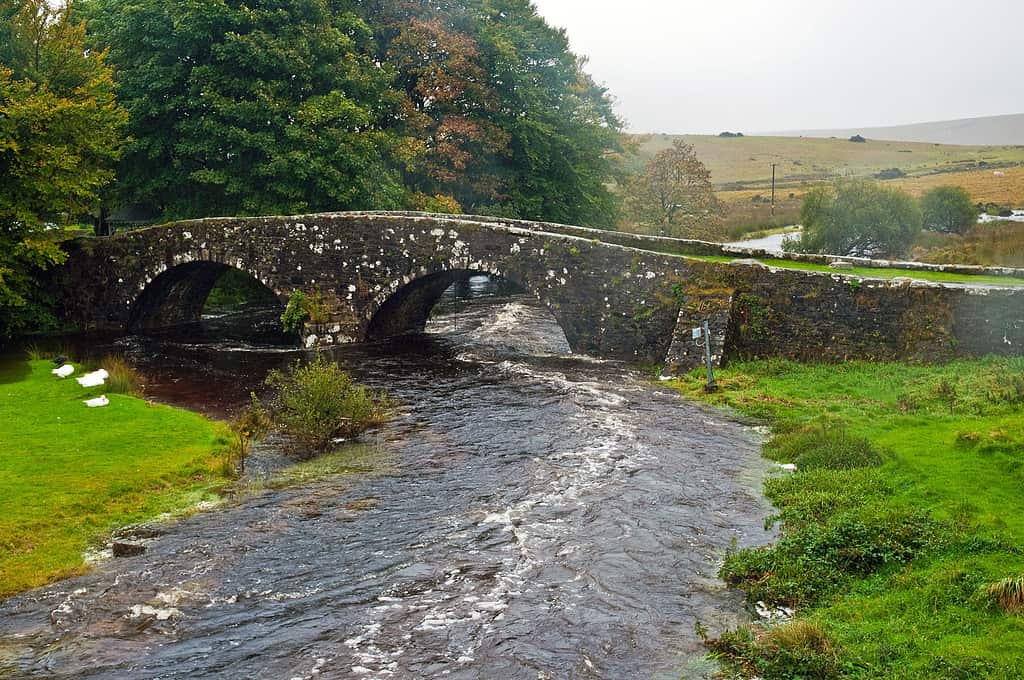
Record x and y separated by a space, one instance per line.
70 474
900 524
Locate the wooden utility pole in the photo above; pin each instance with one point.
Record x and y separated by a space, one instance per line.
773 189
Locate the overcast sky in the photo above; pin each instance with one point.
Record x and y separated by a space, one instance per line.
704 66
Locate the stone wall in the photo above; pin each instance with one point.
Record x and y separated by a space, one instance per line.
812 316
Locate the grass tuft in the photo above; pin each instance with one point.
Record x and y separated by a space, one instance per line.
1008 594
124 378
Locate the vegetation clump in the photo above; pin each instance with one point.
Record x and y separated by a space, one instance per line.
999 244
1008 594
797 649
296 312
317 403
123 377
949 210
858 217
251 425
302 308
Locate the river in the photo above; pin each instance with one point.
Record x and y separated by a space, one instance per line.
528 514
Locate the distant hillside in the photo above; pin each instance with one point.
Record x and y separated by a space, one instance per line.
745 162
990 130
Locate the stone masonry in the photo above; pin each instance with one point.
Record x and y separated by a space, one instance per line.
615 296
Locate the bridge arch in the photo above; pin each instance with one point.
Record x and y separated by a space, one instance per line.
176 295
405 306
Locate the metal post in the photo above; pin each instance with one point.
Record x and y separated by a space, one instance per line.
773 189
712 385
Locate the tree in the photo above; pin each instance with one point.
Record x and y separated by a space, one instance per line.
674 194
508 121
858 217
263 107
949 209
60 135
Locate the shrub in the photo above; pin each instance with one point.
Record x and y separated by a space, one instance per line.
317 309
319 402
295 313
858 138
249 426
302 308
858 217
823 448
811 563
949 210
890 173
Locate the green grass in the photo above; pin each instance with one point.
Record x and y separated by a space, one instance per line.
70 474
871 272
893 541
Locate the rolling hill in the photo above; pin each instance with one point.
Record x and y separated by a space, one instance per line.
988 130
745 162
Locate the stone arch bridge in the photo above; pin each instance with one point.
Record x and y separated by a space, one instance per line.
615 295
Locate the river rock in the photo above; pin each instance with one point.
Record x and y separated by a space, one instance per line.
128 548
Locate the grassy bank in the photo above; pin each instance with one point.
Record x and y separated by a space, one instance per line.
70 474
875 273
996 243
903 525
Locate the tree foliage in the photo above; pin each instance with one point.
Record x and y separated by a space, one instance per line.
251 108
674 195
949 209
60 134
286 106
858 217
507 120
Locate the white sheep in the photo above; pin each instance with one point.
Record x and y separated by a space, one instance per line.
94 379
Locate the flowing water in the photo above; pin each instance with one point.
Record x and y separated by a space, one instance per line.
529 514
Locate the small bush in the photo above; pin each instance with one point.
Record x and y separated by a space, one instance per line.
248 427
317 309
124 378
295 313
815 560
319 402
890 173
949 210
